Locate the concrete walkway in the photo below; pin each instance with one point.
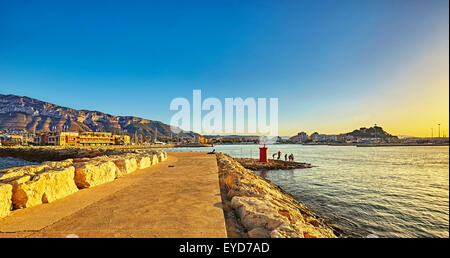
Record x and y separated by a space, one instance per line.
160 201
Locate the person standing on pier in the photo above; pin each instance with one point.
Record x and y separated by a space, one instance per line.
279 154
285 157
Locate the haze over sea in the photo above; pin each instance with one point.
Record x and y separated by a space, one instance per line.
386 191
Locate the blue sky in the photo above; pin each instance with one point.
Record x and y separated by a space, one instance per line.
322 59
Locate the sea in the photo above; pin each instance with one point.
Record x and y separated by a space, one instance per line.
385 192
8 162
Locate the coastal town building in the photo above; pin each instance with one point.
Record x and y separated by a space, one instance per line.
6 139
63 138
314 137
80 139
301 137
121 139
96 138
202 139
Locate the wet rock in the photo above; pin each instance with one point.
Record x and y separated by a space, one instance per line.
255 212
258 233
287 231
259 204
314 222
254 164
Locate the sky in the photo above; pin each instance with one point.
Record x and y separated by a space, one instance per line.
333 65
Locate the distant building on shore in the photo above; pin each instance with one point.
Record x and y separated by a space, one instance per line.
316 137
299 138
303 137
202 139
6 139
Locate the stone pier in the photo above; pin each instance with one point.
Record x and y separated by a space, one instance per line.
176 198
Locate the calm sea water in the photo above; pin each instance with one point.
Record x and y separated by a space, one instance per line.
8 162
386 191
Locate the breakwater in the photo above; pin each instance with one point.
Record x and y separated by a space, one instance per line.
254 164
58 153
23 187
256 208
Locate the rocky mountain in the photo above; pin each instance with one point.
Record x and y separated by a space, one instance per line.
371 132
30 114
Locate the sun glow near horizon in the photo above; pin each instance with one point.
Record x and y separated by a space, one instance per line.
412 99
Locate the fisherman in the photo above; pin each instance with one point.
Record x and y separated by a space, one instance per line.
285 157
279 154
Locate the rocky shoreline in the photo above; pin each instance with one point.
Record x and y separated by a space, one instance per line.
256 208
58 153
27 186
272 164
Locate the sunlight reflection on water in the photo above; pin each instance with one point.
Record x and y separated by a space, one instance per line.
386 191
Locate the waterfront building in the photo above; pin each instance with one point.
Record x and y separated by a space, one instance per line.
80 139
300 137
315 137
202 139
96 138
63 138
41 139
6 139
121 139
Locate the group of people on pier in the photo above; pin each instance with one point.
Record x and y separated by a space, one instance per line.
291 156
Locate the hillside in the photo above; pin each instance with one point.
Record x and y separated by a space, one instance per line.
372 132
30 114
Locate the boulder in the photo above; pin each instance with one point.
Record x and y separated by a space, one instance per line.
143 161
79 160
89 174
45 187
125 166
287 231
22 171
59 164
59 183
5 200
264 208
88 153
161 156
154 159
255 212
258 233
